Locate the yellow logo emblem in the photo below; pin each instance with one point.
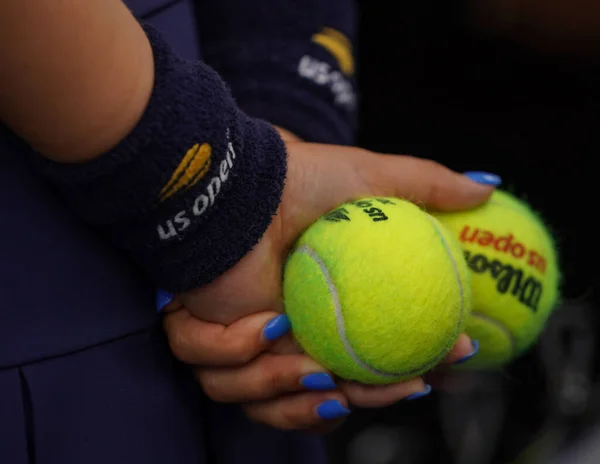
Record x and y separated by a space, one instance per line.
339 46
191 169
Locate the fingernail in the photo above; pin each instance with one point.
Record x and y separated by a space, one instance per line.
277 327
464 359
163 298
420 394
484 178
332 409
318 381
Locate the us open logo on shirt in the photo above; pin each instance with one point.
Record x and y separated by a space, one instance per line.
324 74
192 168
339 46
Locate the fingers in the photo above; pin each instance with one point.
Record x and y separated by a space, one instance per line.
321 177
463 350
369 396
267 376
194 341
166 301
379 396
429 183
442 377
301 411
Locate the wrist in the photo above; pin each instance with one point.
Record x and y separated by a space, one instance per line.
191 189
287 136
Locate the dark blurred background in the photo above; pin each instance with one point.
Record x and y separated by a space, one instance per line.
511 87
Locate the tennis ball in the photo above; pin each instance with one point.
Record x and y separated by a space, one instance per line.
514 276
377 291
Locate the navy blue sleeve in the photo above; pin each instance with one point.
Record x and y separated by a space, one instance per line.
290 62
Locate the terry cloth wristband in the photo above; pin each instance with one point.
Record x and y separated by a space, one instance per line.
193 187
287 61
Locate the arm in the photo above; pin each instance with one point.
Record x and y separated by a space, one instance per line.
287 61
76 75
174 174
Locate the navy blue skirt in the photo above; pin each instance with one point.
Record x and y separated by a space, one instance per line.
86 375
127 401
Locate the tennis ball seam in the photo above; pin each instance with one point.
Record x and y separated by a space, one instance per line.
461 289
339 317
499 325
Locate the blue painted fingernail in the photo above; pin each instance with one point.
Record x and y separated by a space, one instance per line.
484 178
318 381
420 394
332 409
163 298
464 359
277 327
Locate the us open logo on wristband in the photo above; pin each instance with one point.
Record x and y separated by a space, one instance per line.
194 165
192 168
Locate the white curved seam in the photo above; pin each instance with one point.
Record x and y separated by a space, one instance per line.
339 318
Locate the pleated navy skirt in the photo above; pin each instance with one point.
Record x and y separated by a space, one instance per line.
86 375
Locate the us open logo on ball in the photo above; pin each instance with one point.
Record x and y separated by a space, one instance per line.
371 207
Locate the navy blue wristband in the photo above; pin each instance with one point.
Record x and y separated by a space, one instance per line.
193 187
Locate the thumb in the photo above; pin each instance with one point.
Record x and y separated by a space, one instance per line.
428 183
321 177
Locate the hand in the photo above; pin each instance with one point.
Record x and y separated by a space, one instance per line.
320 177
255 362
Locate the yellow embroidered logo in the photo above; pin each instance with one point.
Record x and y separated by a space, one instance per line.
191 169
339 46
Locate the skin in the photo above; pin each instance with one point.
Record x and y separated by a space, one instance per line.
79 81
319 178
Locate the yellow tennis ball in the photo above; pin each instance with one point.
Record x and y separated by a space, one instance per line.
514 276
377 291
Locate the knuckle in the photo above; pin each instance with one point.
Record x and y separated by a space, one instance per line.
432 174
282 420
179 346
281 374
272 379
430 164
258 417
289 419
240 350
211 386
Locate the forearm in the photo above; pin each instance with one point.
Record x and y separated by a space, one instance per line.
76 75
193 186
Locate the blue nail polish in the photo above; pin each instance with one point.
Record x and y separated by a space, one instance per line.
332 409
318 381
484 178
163 298
464 359
277 327
420 394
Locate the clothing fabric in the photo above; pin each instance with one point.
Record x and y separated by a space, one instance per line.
86 375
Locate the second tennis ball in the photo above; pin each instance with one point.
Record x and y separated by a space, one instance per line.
514 276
